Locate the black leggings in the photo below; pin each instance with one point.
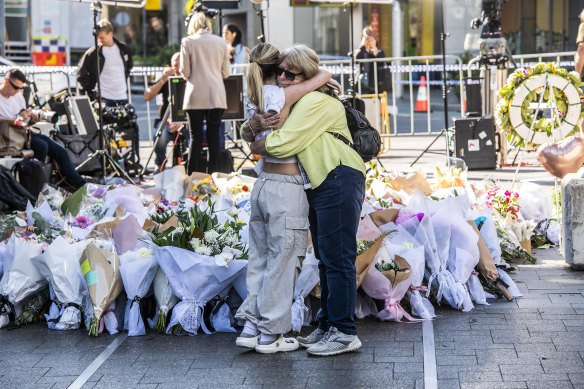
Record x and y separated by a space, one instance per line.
196 117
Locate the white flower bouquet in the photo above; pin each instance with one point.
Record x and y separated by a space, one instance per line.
21 277
195 280
165 300
137 269
59 264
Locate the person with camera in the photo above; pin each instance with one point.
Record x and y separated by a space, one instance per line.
13 109
204 63
369 50
115 63
170 129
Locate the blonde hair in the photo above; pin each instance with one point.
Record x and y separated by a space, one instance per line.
581 16
302 58
263 58
197 22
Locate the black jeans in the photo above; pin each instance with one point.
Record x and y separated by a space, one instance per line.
335 208
43 146
213 118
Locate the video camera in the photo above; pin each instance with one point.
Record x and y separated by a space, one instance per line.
492 44
46 116
200 7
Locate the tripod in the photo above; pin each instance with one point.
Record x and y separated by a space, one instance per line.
444 131
104 157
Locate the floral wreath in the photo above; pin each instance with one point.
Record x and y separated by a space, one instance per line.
525 86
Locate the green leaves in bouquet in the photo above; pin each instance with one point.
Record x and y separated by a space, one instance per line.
44 230
72 204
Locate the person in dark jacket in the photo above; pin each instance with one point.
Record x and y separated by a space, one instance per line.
115 63
370 50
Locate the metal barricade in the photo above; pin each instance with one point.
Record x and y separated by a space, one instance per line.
404 74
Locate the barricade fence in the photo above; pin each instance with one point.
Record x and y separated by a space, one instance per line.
398 77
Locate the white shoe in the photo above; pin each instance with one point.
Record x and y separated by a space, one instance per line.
247 342
280 344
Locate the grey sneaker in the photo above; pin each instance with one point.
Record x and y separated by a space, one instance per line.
311 339
335 342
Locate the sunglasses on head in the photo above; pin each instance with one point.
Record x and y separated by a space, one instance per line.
289 75
14 86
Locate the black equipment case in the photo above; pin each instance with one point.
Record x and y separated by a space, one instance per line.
476 142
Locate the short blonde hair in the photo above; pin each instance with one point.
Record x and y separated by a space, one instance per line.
581 16
198 21
302 58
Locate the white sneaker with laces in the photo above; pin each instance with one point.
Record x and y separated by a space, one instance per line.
335 342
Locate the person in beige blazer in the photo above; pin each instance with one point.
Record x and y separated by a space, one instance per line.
204 60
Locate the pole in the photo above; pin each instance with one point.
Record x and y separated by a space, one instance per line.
96 9
352 54
2 28
443 37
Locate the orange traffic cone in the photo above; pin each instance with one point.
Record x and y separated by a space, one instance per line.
422 98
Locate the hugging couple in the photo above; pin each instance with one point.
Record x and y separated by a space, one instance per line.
308 178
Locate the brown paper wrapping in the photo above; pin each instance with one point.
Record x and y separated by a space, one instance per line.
526 244
106 273
384 216
486 265
193 179
410 183
363 262
395 277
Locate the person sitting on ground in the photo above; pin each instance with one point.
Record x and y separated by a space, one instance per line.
13 105
170 129
278 226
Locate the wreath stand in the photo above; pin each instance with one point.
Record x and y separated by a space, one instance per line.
534 137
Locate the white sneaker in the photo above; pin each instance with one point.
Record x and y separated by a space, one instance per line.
280 344
335 342
247 342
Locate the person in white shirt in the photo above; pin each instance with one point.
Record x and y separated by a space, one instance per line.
115 63
13 105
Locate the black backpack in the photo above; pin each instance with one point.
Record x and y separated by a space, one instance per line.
32 174
13 196
366 139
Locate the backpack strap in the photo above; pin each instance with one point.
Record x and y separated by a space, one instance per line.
342 138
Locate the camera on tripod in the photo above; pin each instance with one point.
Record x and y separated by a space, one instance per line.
492 44
46 116
200 7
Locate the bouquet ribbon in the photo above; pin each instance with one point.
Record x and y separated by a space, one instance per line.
7 308
419 288
394 311
192 322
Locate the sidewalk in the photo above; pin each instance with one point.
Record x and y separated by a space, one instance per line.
533 342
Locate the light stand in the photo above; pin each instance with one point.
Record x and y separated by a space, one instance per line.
102 154
444 131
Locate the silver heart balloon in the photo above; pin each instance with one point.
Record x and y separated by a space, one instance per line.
563 157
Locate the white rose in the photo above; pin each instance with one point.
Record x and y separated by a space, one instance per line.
144 253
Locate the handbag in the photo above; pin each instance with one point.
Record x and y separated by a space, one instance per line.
13 139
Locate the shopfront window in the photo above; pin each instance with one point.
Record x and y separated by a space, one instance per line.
329 35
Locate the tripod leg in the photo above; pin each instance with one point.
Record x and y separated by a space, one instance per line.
158 134
121 172
428 148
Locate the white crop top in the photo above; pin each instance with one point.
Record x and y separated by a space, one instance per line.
274 100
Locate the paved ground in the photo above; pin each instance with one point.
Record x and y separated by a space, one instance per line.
533 342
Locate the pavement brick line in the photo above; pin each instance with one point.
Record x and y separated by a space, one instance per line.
430 376
97 362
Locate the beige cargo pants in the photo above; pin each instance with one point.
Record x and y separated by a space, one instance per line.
278 229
